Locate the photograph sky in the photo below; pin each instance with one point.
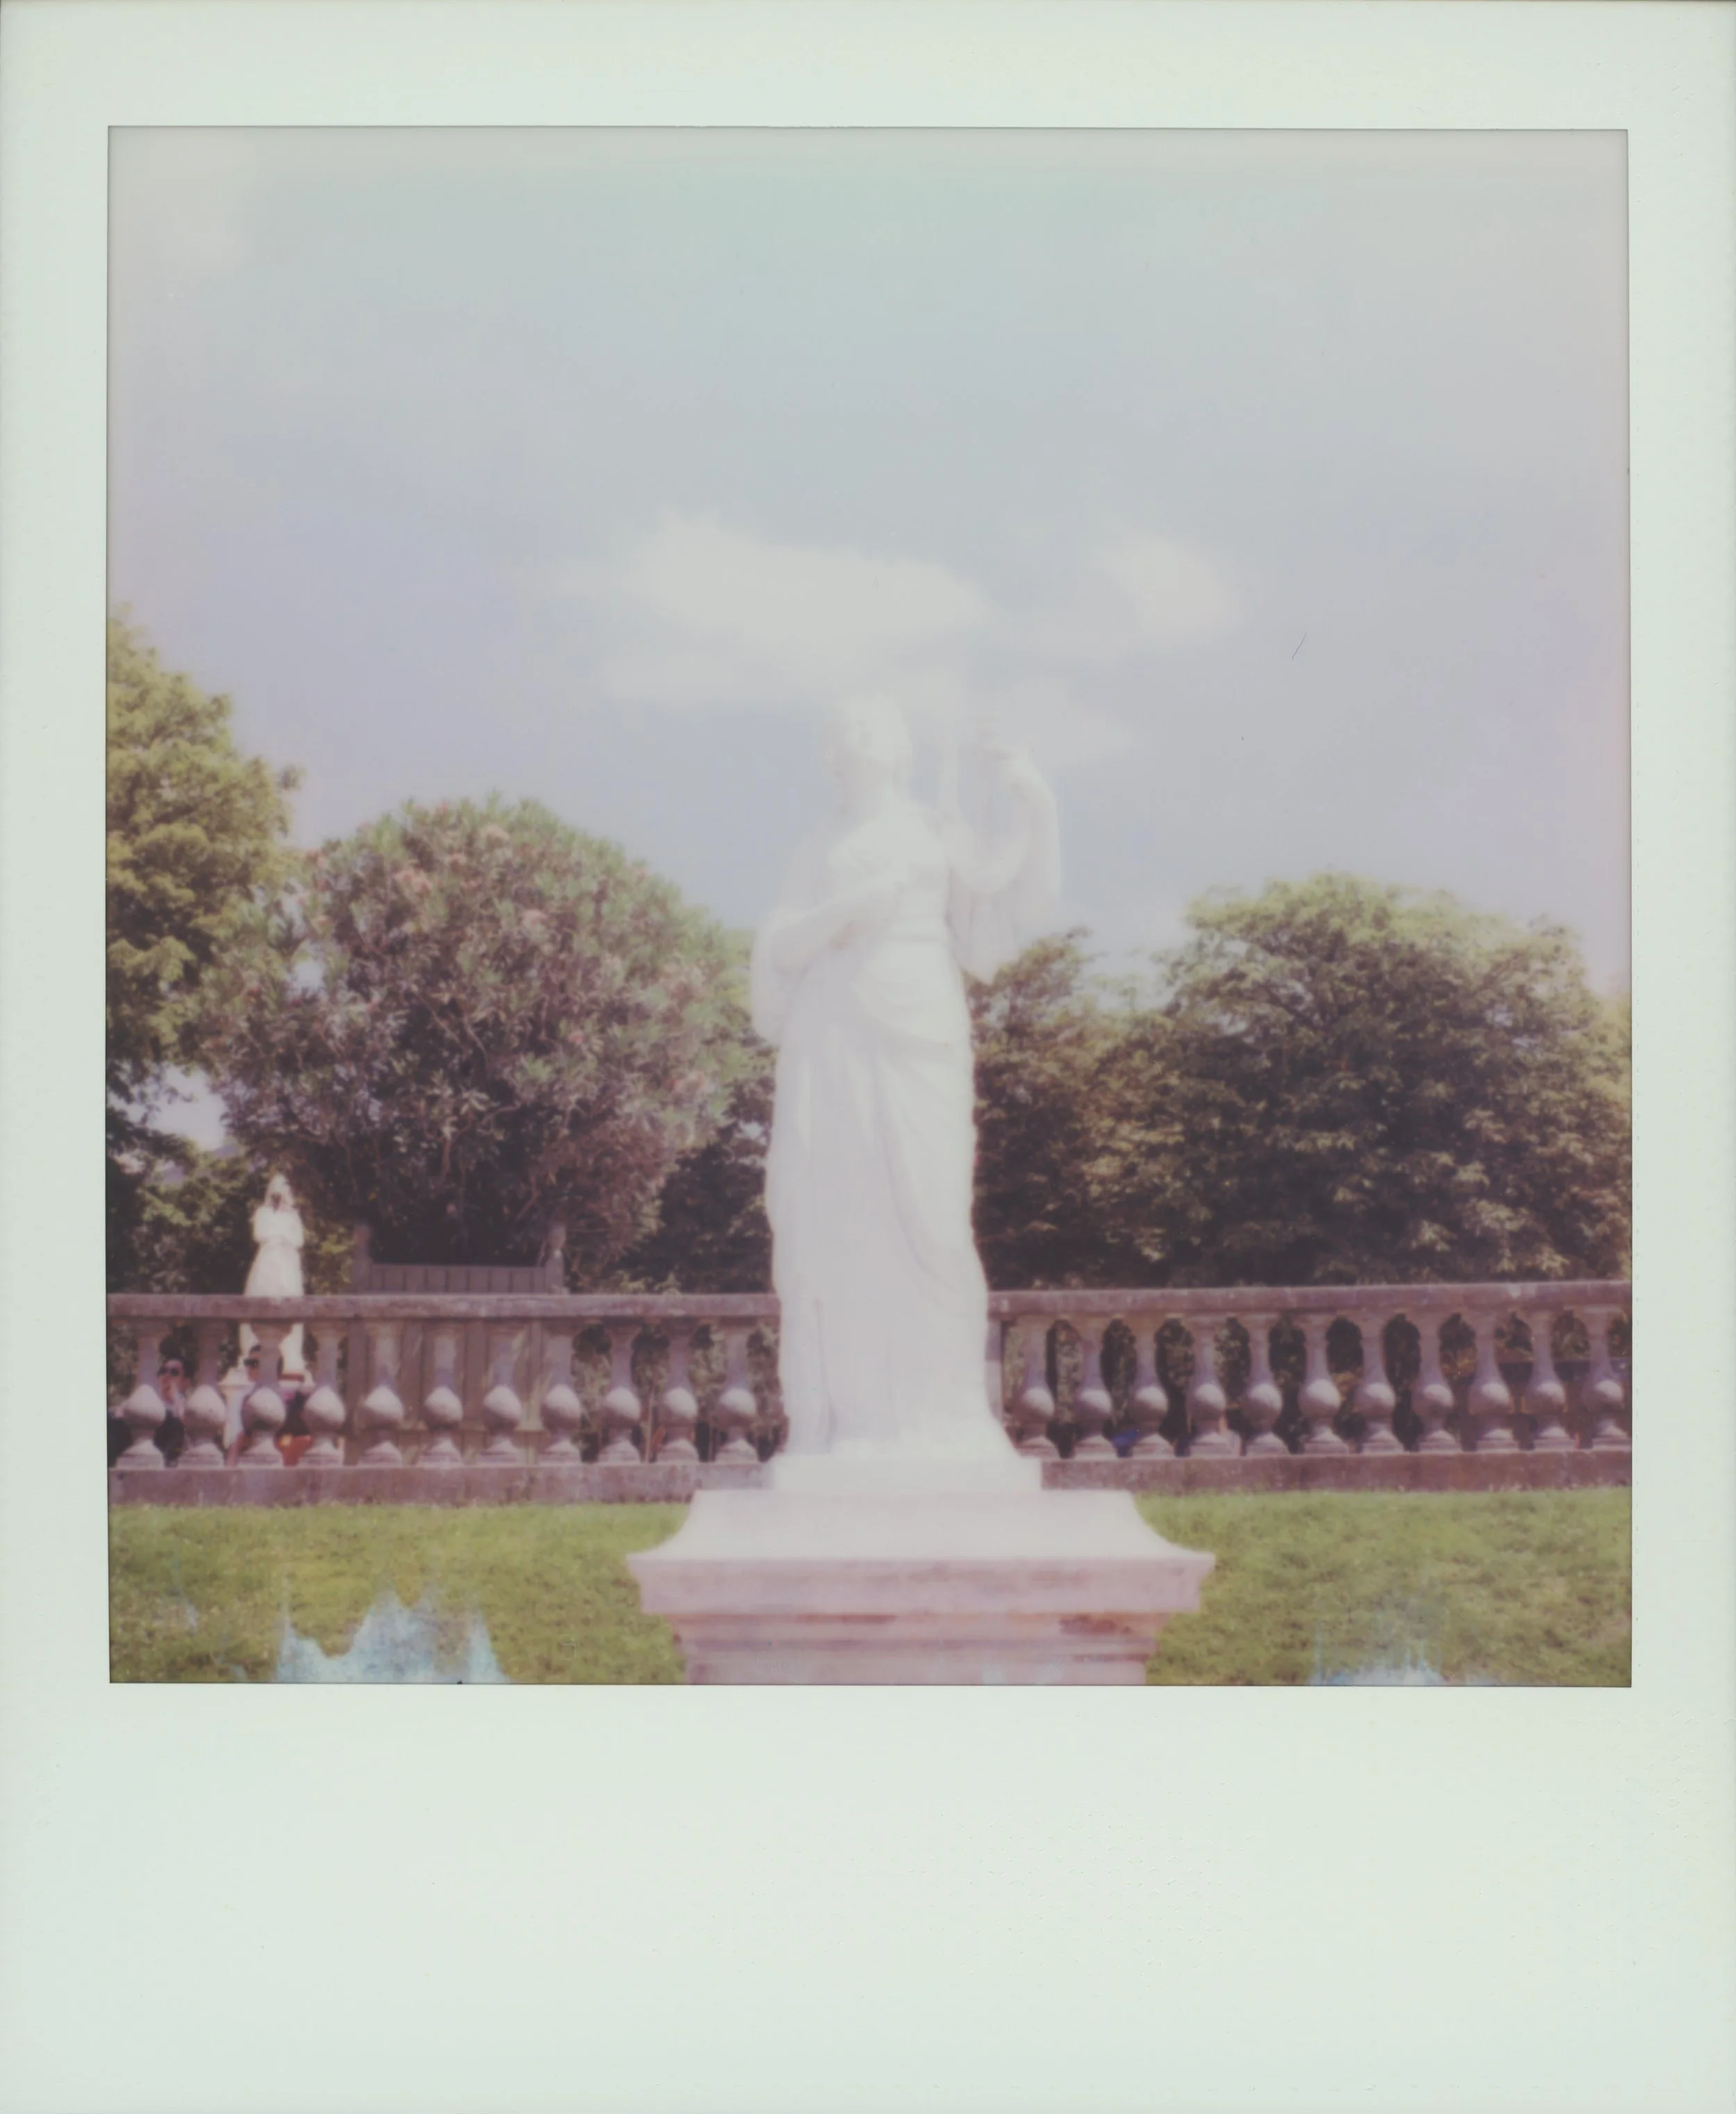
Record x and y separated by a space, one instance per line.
1271 486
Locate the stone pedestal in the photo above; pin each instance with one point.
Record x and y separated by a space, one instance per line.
922 1573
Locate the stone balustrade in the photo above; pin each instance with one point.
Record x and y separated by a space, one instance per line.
443 1396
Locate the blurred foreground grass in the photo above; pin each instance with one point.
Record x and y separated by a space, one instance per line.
1529 1587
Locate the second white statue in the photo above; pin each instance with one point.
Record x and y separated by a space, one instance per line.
858 980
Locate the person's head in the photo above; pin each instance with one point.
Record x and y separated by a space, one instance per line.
279 1195
868 746
172 1372
250 1365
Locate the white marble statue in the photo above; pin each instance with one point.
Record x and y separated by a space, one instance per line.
857 979
276 1268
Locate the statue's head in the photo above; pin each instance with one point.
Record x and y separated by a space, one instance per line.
279 1195
868 742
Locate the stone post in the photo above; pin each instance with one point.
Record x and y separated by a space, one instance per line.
1603 1391
1375 1396
502 1411
442 1409
1149 1403
735 1408
1491 1399
323 1410
680 1405
1093 1407
144 1409
1433 1398
1319 1401
262 1414
1263 1403
205 1416
383 1412
1035 1408
1545 1398
1208 1405
563 1412
622 1408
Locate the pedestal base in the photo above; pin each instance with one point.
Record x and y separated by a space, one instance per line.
873 1577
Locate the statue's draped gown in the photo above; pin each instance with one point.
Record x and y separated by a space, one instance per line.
884 1306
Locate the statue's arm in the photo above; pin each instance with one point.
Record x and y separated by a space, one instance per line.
984 866
796 938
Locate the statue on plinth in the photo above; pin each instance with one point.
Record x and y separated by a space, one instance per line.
276 1269
857 979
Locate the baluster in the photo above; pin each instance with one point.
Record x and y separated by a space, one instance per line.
680 1405
1375 1396
1149 1403
1433 1398
264 1414
1035 1408
622 1408
323 1410
563 1412
205 1414
1207 1402
1262 1402
1603 1386
995 1371
736 1408
1491 1399
1546 1396
144 1409
442 1410
383 1412
1319 1401
1092 1406
502 1411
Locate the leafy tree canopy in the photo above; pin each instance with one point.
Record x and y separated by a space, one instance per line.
1349 1082
196 834
488 1021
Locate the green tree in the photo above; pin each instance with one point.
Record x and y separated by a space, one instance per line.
487 1021
1051 1124
195 850
712 1233
1348 1083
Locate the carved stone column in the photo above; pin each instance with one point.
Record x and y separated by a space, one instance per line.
503 1412
383 1412
442 1408
1149 1403
736 1407
1035 1408
205 1414
680 1406
622 1408
323 1411
1375 1396
1546 1396
264 1414
563 1412
1433 1398
1603 1391
144 1409
1207 1404
1319 1401
1491 1399
1093 1407
1263 1401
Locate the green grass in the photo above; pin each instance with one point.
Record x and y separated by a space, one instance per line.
1528 1586
1531 1587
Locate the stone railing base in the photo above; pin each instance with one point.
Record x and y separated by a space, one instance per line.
675 1482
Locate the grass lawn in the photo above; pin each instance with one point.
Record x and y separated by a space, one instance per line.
1530 1587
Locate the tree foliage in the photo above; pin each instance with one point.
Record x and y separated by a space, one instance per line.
196 844
1348 1083
712 1233
488 1021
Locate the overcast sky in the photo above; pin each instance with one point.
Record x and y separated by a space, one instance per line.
1274 486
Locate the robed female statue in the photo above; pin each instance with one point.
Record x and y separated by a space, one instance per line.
857 980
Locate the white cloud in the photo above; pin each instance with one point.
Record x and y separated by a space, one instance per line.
719 613
1173 594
